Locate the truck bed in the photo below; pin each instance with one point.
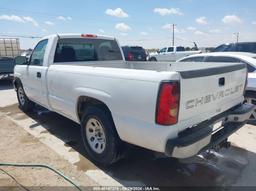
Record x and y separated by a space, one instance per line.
162 66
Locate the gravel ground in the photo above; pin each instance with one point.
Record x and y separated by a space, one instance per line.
17 146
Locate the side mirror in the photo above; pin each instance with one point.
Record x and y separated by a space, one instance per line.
158 52
21 60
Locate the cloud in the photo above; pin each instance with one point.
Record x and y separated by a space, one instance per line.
13 18
49 23
123 34
44 30
215 31
231 19
167 26
191 28
165 11
19 19
254 22
202 21
143 33
118 12
101 31
197 32
62 18
180 31
122 27
31 20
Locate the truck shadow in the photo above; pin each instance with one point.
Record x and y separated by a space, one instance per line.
6 84
141 167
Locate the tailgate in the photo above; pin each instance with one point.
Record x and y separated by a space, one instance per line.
209 91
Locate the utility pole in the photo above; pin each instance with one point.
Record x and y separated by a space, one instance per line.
237 36
173 28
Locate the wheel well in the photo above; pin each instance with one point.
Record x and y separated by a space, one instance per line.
153 58
16 81
84 102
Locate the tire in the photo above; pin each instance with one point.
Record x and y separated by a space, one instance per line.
24 103
250 97
97 127
152 59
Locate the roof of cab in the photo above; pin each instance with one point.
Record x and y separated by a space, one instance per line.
82 35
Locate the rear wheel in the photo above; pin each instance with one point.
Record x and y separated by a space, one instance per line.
152 59
100 138
24 103
250 97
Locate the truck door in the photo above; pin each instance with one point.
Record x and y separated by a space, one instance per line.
161 54
170 56
180 53
35 73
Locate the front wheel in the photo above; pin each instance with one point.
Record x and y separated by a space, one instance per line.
152 59
100 139
24 103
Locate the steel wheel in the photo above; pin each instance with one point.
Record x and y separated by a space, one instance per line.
251 101
21 96
95 135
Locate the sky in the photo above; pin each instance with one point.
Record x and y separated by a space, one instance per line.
145 23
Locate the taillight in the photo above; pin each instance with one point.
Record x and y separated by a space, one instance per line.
130 56
168 103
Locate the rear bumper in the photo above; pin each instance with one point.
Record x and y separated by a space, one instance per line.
202 137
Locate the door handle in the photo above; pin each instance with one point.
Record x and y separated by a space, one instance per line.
221 81
38 74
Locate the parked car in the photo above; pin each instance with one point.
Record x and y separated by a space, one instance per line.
239 57
171 53
237 47
155 106
6 66
134 53
9 49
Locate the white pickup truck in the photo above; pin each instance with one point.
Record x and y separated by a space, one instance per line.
172 53
179 109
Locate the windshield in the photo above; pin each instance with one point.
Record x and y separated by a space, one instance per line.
138 50
225 48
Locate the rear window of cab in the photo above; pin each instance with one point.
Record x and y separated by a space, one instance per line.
75 50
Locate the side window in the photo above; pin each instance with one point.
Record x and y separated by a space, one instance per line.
193 59
162 50
75 50
37 57
249 67
180 49
170 49
246 47
221 59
